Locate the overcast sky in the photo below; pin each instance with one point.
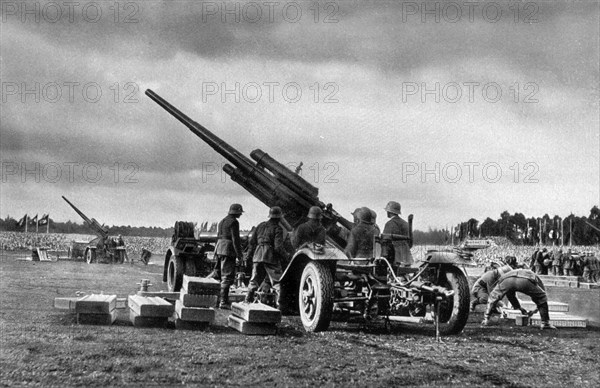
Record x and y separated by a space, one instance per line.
498 101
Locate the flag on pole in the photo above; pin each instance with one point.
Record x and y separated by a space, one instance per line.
33 220
44 219
22 221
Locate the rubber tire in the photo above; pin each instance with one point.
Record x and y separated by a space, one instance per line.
90 257
175 274
454 319
321 279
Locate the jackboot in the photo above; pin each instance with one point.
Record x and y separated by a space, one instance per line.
250 296
224 298
545 315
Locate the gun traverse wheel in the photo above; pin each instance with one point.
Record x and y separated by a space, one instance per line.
316 297
454 311
90 256
175 274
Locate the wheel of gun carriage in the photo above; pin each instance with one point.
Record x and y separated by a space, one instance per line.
175 274
454 311
316 296
90 256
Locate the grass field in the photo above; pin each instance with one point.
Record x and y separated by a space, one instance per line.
44 346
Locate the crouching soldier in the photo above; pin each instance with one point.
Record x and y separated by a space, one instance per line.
526 282
485 284
266 250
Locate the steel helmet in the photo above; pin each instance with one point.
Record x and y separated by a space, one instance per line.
315 212
364 215
504 269
275 212
373 215
393 207
235 209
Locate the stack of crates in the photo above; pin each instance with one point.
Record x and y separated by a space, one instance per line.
254 318
195 307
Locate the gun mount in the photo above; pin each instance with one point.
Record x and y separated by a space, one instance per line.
268 180
102 248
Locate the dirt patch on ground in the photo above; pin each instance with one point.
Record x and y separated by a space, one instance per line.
44 346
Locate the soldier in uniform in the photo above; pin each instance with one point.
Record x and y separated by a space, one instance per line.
596 268
397 252
557 263
526 282
360 241
568 263
533 259
485 284
540 268
267 251
311 231
227 249
588 267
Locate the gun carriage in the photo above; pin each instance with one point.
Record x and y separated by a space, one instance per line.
320 281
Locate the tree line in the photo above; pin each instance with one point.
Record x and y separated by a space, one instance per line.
516 227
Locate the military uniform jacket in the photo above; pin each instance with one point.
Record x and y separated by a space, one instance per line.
228 238
567 262
521 273
487 281
266 244
397 225
360 241
310 231
533 259
557 259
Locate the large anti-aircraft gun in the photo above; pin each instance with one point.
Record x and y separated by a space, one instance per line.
102 248
267 180
320 280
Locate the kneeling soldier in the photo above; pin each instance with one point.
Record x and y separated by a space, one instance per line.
526 282
266 249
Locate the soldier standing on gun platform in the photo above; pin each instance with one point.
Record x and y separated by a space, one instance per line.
266 250
526 282
360 241
311 231
228 248
397 252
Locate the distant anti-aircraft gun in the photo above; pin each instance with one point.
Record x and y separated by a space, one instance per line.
102 248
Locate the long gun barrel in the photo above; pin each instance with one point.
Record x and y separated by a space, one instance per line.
93 224
268 180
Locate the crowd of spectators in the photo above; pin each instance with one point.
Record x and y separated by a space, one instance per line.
495 253
61 242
